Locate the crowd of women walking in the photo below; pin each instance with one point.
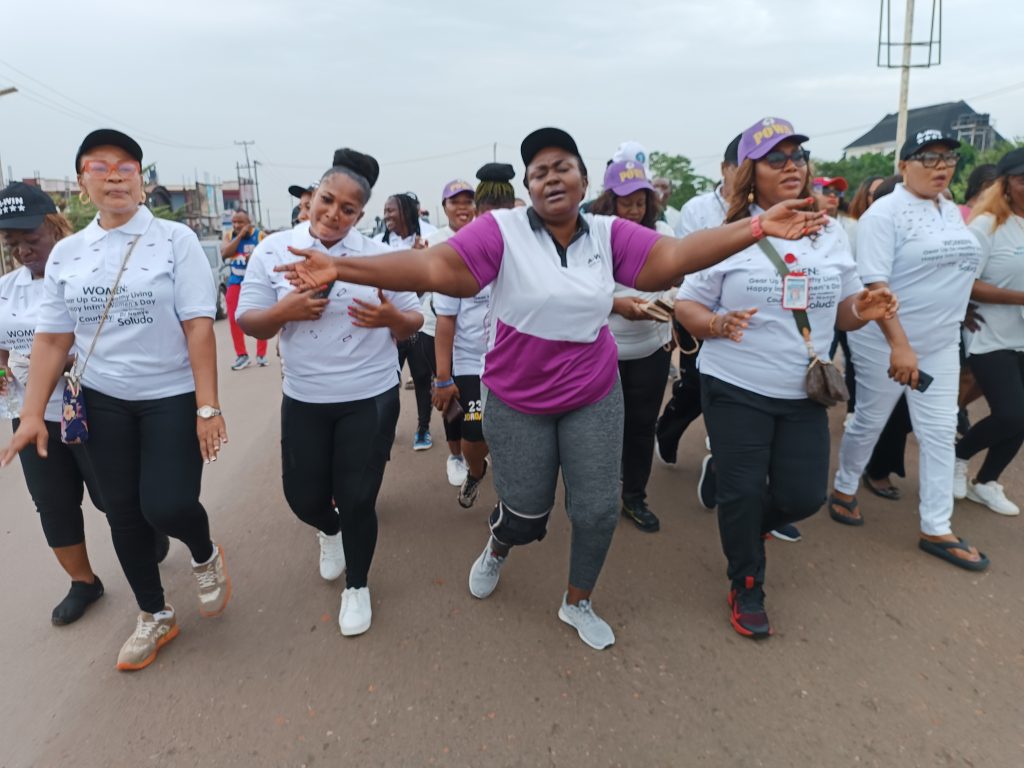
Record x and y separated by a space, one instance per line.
542 335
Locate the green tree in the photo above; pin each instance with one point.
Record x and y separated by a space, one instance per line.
855 169
970 158
679 170
80 213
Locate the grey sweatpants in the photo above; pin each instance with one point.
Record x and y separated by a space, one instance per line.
528 450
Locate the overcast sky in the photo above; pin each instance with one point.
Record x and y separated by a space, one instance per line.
429 87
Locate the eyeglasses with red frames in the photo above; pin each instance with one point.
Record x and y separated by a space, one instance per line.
128 169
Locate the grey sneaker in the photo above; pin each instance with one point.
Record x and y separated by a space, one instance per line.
483 576
592 629
150 635
242 361
214 584
470 489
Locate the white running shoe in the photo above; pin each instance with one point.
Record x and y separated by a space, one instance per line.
214 583
483 576
592 629
991 494
457 471
332 555
847 420
354 617
960 479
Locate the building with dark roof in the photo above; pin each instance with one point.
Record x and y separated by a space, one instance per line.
955 118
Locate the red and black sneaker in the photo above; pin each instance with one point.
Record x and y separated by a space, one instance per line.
748 616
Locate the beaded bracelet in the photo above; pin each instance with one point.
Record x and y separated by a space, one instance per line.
711 325
444 384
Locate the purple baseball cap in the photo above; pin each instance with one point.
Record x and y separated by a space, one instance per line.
456 187
626 177
759 139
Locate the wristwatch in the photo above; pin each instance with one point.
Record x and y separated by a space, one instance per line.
207 412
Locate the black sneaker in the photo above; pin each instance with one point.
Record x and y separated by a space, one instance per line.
163 546
641 515
747 614
707 486
470 489
666 453
79 597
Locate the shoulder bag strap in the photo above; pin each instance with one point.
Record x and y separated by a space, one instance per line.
77 374
803 325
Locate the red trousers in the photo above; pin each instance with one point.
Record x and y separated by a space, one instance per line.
237 337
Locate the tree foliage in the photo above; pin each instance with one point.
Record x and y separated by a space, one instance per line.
80 213
678 169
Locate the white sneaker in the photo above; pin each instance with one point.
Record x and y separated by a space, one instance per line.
332 555
592 629
847 420
992 496
959 479
457 471
214 583
483 576
354 617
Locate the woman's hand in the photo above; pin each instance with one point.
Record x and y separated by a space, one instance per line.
787 221
629 307
730 325
367 315
317 270
973 319
877 304
301 304
418 243
441 397
212 433
903 365
5 378
31 430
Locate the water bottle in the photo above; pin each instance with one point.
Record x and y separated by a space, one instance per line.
10 403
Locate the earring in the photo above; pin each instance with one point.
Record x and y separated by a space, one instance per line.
83 197
750 195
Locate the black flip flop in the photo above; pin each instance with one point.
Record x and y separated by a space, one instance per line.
849 506
892 493
940 549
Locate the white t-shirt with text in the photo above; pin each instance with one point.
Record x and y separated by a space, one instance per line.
20 299
1001 265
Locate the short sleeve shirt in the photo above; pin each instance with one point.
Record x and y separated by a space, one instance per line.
550 348
329 360
1001 265
771 359
20 299
929 259
141 352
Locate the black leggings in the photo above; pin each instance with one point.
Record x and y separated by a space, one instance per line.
57 485
333 455
643 386
684 406
1000 375
412 350
888 456
425 347
145 456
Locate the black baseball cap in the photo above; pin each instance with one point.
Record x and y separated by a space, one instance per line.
496 172
108 137
732 152
920 139
297 190
23 206
1012 163
543 138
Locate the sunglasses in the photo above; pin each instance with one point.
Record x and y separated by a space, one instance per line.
777 159
934 159
828 191
99 168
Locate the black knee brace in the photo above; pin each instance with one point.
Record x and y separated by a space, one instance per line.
512 528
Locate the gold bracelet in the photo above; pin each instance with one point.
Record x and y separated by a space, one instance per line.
711 325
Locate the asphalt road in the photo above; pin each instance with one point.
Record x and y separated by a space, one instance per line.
882 655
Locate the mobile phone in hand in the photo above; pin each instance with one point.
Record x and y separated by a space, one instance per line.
453 411
324 292
923 381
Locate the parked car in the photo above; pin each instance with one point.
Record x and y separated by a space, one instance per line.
220 271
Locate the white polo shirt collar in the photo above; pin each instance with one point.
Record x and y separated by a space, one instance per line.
303 238
136 225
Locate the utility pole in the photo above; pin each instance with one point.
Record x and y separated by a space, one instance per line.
494 152
259 205
901 116
248 168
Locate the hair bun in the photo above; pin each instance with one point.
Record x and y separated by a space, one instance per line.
365 165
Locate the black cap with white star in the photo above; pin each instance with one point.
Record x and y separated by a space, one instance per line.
23 206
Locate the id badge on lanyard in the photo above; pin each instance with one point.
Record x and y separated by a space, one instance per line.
796 291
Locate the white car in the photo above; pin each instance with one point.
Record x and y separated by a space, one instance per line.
220 271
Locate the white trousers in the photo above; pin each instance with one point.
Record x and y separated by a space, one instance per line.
932 413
